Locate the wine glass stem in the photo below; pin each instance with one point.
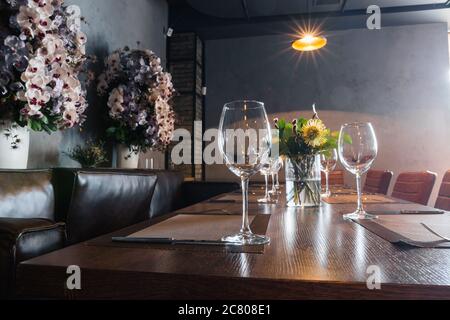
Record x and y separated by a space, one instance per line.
327 184
245 221
358 189
278 180
273 183
266 176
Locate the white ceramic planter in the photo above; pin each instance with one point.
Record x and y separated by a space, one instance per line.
126 159
14 155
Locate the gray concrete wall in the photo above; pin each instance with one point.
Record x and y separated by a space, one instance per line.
112 24
398 78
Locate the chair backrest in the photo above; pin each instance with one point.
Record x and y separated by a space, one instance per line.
168 194
443 200
415 186
336 178
378 181
26 194
97 202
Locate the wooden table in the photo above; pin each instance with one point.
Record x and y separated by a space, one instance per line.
314 254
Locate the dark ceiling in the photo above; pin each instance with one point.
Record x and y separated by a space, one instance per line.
267 8
234 18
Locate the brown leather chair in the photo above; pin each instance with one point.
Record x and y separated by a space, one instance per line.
336 178
415 186
378 181
443 200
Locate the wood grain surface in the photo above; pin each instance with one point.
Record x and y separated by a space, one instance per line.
314 254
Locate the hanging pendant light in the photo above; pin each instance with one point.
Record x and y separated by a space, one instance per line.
309 42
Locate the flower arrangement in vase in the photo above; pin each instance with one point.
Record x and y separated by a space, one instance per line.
300 142
139 95
42 55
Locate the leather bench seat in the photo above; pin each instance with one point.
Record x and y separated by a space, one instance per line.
46 210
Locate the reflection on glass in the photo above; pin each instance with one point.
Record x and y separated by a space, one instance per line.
245 141
358 149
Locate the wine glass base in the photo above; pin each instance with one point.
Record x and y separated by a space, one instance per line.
359 215
247 238
268 201
326 195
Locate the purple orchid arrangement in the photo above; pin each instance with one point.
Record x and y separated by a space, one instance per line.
42 57
139 95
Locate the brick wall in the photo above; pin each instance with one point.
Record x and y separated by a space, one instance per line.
185 61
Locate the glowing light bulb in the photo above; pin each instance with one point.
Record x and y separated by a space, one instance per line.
309 42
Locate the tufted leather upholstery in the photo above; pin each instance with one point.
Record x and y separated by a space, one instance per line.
415 186
378 181
336 178
443 200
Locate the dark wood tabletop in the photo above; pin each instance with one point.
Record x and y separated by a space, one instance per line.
314 254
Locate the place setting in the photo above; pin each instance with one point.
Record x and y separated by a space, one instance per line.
407 227
215 227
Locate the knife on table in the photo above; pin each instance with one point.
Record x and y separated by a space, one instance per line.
171 241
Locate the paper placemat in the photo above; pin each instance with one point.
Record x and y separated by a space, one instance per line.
394 228
194 227
237 198
259 225
350 198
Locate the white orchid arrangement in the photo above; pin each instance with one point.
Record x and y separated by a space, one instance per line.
139 94
41 65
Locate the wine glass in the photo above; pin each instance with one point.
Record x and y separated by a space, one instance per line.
276 167
358 148
245 143
266 170
277 176
328 162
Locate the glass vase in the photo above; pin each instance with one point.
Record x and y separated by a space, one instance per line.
303 181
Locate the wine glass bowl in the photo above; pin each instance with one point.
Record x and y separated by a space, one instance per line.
358 149
245 143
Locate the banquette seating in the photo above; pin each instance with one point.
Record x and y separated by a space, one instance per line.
46 210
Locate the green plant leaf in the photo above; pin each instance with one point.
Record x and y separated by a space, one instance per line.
35 125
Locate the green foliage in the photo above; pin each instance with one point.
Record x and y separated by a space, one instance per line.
92 155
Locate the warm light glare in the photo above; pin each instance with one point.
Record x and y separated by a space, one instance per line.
309 42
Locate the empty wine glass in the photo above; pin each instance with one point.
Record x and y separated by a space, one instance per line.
266 170
245 143
358 149
328 162
276 167
277 176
